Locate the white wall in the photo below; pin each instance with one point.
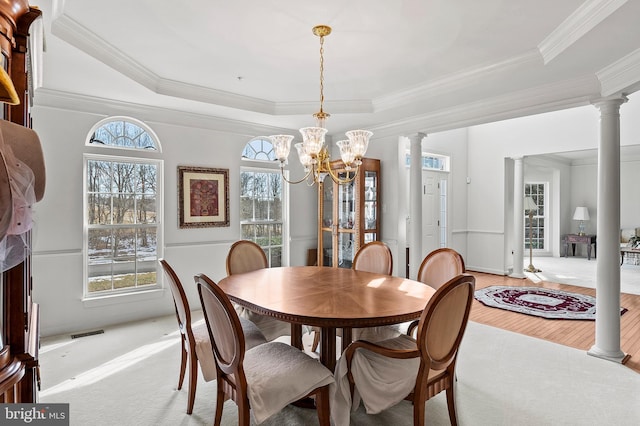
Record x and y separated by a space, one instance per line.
58 232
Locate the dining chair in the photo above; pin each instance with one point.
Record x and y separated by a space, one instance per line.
374 256
262 380
196 346
384 373
247 256
439 266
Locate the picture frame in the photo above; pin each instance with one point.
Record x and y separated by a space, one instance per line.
203 197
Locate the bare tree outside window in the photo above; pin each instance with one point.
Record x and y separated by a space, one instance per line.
122 212
261 201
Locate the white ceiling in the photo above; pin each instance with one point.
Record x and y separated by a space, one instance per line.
414 65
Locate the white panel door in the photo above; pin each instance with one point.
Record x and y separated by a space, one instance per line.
432 213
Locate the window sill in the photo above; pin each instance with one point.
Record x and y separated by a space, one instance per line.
114 299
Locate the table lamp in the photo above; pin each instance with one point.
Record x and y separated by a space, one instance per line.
581 214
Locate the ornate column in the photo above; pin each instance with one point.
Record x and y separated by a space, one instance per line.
607 343
518 218
415 205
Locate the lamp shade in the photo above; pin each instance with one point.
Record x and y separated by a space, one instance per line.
529 204
581 213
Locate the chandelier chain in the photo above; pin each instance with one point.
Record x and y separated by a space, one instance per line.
321 72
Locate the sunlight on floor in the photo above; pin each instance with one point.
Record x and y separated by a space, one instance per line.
53 346
109 368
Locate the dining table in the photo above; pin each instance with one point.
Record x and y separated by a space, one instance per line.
328 298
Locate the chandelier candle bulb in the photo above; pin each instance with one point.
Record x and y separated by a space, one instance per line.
313 139
303 155
360 142
282 146
346 153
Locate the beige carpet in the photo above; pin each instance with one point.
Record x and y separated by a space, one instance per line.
128 375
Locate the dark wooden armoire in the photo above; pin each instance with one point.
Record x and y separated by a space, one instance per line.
19 320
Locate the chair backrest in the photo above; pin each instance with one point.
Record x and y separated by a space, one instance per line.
440 266
179 299
375 256
245 256
225 330
444 321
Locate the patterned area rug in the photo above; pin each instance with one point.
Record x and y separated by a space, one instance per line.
541 302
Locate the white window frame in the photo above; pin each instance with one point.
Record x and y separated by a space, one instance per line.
545 216
96 152
270 166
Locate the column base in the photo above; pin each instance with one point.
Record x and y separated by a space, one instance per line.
617 356
517 275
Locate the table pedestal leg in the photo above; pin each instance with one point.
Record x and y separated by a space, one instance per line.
347 337
296 336
328 347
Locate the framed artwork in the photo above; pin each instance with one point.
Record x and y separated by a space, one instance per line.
203 197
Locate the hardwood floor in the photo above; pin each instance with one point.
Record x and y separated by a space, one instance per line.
573 333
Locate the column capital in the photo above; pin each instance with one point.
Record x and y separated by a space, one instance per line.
610 103
418 137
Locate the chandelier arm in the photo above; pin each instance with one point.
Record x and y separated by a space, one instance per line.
337 179
294 181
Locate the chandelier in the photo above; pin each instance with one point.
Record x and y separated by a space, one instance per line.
312 152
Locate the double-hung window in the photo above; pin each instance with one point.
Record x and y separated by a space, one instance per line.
263 201
122 208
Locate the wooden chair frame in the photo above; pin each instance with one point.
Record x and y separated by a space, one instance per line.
189 359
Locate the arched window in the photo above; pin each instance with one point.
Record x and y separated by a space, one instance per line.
122 207
262 200
260 149
123 133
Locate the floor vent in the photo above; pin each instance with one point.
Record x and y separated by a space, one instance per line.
88 333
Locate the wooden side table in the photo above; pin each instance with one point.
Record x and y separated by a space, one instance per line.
573 239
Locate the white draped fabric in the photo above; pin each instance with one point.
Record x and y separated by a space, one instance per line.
381 382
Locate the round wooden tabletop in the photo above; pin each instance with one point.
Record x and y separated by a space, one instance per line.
328 297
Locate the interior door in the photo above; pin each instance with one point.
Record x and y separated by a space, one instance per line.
434 210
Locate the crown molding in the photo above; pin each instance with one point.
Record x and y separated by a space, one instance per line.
74 33
85 40
535 100
581 21
621 76
454 82
104 107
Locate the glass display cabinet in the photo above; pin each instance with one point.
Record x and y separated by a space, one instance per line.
348 214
